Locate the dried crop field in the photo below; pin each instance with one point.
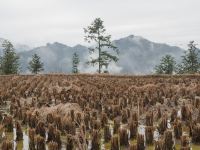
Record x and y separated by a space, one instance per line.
69 112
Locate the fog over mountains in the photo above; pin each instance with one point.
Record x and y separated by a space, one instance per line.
137 56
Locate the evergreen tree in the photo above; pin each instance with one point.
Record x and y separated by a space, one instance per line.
190 61
75 63
166 66
35 65
9 62
96 33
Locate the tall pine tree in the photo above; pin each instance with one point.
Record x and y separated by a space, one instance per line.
9 62
190 61
35 65
96 33
75 63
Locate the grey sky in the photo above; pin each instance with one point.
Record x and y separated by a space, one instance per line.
36 22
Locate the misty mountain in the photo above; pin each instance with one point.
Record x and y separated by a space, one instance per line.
56 57
137 55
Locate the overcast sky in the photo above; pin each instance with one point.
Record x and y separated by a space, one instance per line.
36 22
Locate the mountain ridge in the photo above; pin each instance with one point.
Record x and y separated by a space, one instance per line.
137 55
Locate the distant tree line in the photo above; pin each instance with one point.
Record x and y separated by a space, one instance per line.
96 34
190 63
